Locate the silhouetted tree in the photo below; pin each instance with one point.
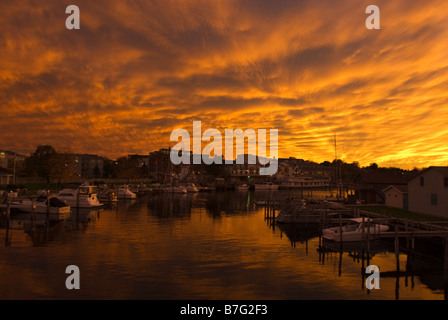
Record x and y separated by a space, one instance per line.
41 162
373 166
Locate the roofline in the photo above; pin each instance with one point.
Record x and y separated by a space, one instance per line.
427 169
392 186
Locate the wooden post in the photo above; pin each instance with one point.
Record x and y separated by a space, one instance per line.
363 227
363 270
33 213
368 236
397 249
8 215
48 209
340 230
340 263
446 262
320 248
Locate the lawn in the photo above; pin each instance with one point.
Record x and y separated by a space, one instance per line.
400 213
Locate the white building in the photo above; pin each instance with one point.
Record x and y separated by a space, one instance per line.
396 196
428 192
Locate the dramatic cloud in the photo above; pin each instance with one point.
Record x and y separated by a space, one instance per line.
138 69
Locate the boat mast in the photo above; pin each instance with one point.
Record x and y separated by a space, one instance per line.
337 171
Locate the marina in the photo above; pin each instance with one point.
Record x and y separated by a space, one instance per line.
219 245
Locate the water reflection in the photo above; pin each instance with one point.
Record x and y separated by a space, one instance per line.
299 232
167 206
206 246
428 269
180 206
42 229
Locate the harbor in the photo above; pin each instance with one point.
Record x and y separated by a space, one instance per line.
220 245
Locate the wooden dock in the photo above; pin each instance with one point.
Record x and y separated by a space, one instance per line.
406 230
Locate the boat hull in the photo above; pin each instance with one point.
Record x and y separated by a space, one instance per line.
264 187
334 234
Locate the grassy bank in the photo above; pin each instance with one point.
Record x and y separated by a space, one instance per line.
400 213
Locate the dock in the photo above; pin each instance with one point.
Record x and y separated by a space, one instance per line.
403 232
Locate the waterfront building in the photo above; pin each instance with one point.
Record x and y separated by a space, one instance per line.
428 192
369 185
396 196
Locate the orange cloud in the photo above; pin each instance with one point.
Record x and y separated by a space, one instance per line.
136 70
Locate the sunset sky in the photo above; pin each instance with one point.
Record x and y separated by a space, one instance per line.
137 69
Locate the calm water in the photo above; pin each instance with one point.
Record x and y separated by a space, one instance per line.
195 246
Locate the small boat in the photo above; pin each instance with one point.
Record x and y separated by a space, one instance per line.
266 186
176 189
261 203
300 214
124 192
82 196
243 187
355 230
205 189
40 205
107 196
191 187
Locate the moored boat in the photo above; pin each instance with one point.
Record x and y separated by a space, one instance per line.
266 186
107 196
191 187
41 205
355 230
243 187
299 213
124 192
82 196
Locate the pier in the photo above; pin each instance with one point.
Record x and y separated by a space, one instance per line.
402 234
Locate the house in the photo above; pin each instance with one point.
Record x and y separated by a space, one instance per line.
396 196
428 192
369 185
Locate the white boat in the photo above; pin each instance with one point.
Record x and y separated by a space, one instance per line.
243 187
292 183
83 196
40 206
107 196
178 189
356 230
205 189
266 186
297 214
123 192
191 187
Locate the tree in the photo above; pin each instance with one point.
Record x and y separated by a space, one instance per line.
109 168
373 166
64 167
42 161
96 172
